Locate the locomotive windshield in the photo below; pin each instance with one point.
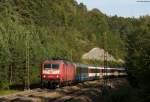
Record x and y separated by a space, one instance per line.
51 66
55 66
47 66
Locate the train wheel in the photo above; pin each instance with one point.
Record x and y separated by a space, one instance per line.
43 85
49 85
58 86
69 83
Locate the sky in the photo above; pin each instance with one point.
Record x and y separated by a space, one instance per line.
124 8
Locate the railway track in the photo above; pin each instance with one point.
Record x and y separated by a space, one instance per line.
56 95
24 94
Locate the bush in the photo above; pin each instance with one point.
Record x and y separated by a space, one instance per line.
4 85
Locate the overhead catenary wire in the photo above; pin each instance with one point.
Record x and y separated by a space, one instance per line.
105 58
27 76
105 88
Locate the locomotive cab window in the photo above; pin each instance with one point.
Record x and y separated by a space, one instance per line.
47 66
55 66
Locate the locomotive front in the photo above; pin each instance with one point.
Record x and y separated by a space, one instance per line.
50 73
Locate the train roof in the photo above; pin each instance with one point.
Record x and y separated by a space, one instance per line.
81 65
91 67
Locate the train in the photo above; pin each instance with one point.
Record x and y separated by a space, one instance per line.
56 73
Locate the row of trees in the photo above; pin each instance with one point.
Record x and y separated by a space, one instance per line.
138 59
33 30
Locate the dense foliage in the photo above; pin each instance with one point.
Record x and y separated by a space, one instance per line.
138 59
33 30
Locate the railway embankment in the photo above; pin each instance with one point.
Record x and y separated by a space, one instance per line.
89 91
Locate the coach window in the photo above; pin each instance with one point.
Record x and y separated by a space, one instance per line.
55 66
84 70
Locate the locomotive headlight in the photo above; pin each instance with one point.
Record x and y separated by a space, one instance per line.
44 76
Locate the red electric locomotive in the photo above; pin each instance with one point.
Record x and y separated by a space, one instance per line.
57 72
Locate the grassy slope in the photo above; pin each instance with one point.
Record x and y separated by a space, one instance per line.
6 92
